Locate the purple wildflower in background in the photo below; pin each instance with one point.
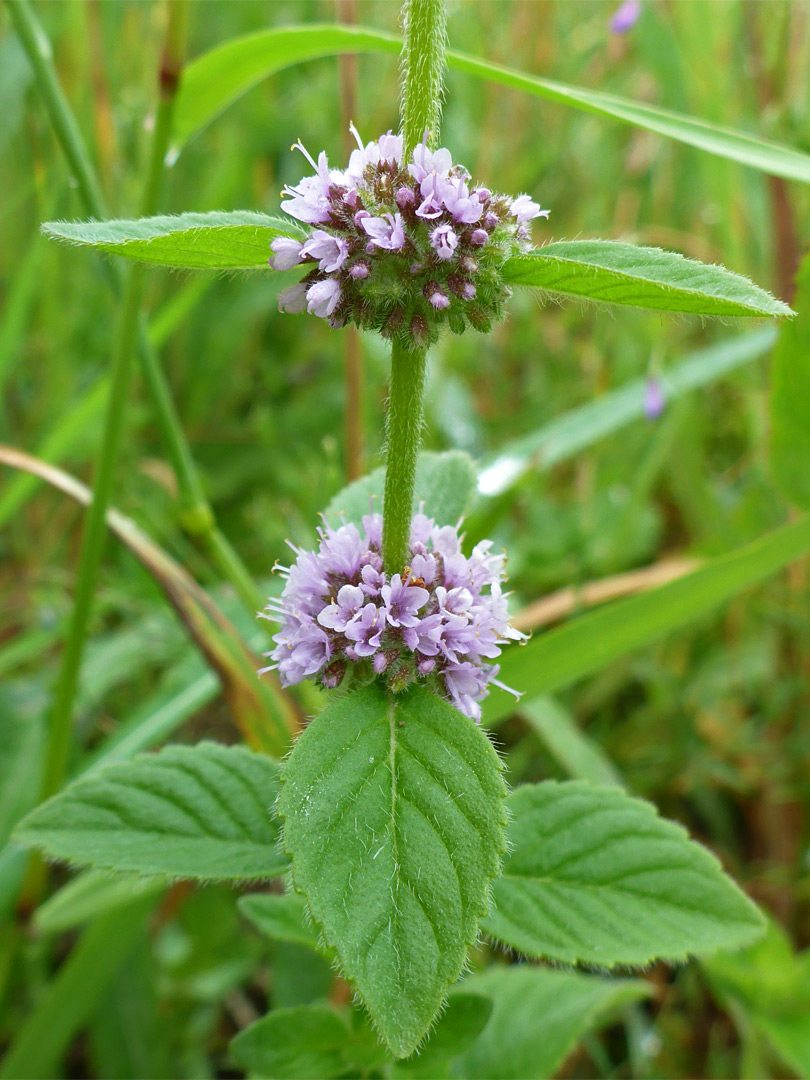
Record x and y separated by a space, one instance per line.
441 619
654 400
625 17
402 247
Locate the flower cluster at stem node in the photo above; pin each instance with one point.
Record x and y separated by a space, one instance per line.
439 620
404 248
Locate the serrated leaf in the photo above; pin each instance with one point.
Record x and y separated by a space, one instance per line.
539 1015
199 811
445 485
610 272
294 1044
595 876
282 918
214 80
237 240
589 643
394 817
790 399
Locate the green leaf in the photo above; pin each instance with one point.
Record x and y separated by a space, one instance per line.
538 1017
20 764
790 399
580 428
594 876
445 484
580 756
90 894
614 273
591 642
393 814
239 240
187 812
217 78
457 1029
294 1043
282 918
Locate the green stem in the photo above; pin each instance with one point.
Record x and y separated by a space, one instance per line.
404 435
196 518
56 756
423 61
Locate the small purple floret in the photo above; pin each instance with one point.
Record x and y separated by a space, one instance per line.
443 617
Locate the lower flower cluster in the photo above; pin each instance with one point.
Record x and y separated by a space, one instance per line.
442 618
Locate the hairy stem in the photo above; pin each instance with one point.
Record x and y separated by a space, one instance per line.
423 61
404 435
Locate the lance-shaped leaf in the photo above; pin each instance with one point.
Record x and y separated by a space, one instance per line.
595 876
393 813
199 811
610 272
238 240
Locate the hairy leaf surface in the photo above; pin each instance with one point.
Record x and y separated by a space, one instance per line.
393 814
237 240
615 273
199 811
539 1015
595 876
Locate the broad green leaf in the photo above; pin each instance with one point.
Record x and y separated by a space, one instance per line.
89 894
539 1016
282 918
69 999
790 399
238 240
294 1043
187 812
594 876
456 1030
20 754
589 643
580 756
445 485
393 814
580 428
615 273
214 80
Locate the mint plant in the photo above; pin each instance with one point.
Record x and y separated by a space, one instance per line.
390 819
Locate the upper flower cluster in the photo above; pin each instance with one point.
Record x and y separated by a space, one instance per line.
400 247
442 618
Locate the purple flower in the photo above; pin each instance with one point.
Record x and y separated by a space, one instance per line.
524 210
442 619
287 253
323 297
403 601
463 207
366 630
343 609
439 300
386 232
479 237
309 200
332 251
654 399
444 241
625 17
427 161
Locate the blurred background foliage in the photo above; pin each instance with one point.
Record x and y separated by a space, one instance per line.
711 724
